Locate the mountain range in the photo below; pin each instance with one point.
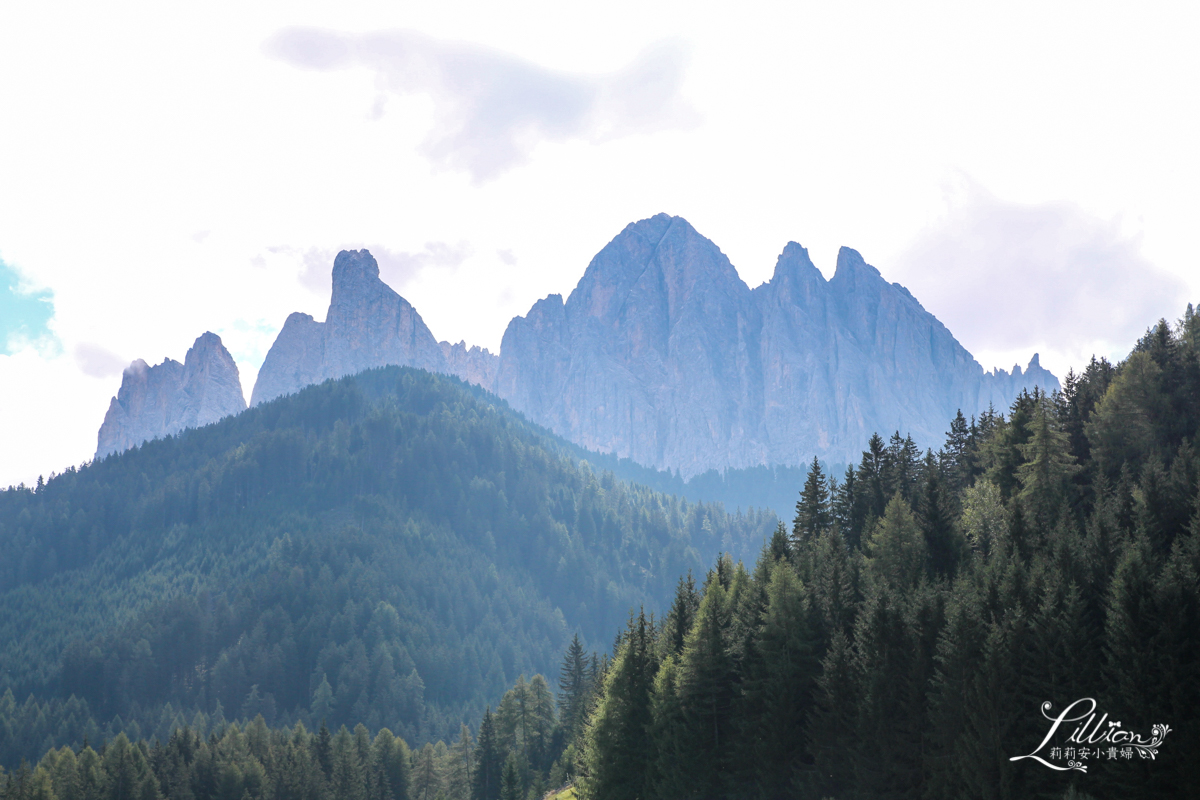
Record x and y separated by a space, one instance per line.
661 355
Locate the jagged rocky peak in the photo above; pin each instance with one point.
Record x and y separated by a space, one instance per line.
367 325
473 364
663 355
162 400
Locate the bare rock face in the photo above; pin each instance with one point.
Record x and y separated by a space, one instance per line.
162 400
368 325
663 355
654 356
472 364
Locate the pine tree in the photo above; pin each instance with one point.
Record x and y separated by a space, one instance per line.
489 759
871 472
834 584
832 728
780 672
462 765
324 750
682 614
510 781
1048 464
540 723
426 775
668 733
779 549
941 538
322 702
346 779
813 516
849 508
707 687
896 549
572 688
958 453
617 748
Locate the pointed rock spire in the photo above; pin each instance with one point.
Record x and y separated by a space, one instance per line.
165 399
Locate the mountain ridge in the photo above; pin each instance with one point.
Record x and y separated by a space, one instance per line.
662 354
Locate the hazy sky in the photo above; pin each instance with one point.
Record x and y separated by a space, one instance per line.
1029 171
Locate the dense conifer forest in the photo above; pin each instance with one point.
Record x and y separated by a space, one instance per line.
898 640
392 549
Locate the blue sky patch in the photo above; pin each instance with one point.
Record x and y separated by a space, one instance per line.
24 313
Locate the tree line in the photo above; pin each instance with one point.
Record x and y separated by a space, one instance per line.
899 641
391 549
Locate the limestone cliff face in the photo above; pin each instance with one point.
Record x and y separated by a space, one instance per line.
162 400
472 364
654 356
368 325
663 355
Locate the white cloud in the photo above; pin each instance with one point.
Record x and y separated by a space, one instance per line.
493 108
1010 279
97 362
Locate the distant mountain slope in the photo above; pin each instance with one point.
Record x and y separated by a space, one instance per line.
663 355
393 548
161 400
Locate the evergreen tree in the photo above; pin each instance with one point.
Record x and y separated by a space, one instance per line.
617 749
896 549
323 750
832 727
958 455
1048 464
849 508
781 669
510 781
942 541
426 775
462 765
813 514
572 688
682 614
707 688
346 779
489 759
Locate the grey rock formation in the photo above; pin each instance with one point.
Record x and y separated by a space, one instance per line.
158 401
663 355
368 325
472 364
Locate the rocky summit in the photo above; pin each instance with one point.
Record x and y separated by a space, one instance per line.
367 325
162 400
663 355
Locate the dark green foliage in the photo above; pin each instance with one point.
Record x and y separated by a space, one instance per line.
813 512
391 549
904 646
617 748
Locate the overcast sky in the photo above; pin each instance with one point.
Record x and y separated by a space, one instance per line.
1028 171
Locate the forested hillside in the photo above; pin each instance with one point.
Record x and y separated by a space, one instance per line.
392 549
901 639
